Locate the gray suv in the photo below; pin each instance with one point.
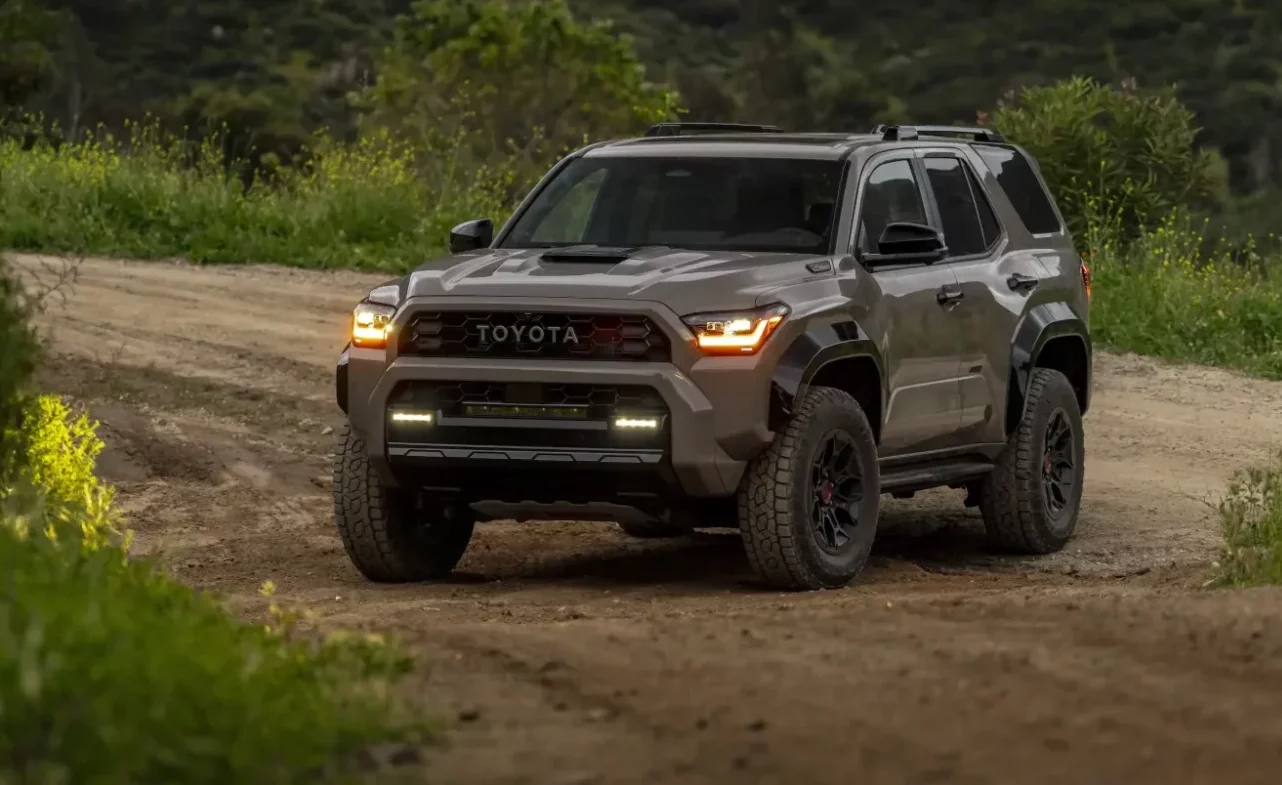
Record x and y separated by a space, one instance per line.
727 325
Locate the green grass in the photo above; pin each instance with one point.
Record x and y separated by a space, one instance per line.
1251 513
375 205
1164 295
111 673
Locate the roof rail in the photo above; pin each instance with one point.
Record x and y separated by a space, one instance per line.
685 129
891 133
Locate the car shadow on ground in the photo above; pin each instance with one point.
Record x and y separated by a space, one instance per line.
945 542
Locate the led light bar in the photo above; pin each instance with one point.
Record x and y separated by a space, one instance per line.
636 423
419 417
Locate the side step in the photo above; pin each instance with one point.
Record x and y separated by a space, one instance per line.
906 480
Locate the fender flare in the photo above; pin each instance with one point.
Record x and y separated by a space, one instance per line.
340 379
1038 327
818 346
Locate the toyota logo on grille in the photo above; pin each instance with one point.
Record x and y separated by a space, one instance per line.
528 333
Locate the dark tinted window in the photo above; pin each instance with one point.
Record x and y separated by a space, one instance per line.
890 195
730 204
958 213
987 218
1019 181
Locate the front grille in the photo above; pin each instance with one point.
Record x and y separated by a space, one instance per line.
457 421
517 334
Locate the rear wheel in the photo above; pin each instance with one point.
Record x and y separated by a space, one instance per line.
808 508
391 534
1031 500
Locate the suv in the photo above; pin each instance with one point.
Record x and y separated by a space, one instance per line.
727 325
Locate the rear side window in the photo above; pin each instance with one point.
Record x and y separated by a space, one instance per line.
968 222
1016 177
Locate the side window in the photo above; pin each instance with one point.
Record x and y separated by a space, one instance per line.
987 218
1016 177
891 195
567 222
962 210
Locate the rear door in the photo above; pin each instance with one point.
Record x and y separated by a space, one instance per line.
999 278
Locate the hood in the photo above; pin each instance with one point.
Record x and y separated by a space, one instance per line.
684 280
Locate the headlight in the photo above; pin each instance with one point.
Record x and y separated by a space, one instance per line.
735 332
372 318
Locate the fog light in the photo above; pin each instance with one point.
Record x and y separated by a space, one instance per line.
419 417
637 423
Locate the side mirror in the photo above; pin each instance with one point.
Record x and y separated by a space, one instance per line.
902 242
472 235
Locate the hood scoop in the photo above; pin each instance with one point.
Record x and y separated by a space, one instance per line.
594 253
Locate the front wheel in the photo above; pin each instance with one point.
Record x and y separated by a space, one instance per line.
1031 500
808 508
388 533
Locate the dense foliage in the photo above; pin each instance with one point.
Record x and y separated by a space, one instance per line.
274 70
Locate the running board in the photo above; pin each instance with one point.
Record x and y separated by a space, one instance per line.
919 477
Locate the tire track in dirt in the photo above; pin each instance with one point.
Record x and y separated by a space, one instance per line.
575 655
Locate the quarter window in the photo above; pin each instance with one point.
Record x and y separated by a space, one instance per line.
1016 177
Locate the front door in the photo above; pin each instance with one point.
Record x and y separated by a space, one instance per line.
916 317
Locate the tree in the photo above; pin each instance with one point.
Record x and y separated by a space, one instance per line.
28 35
527 77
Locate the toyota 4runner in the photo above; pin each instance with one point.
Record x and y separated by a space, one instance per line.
728 325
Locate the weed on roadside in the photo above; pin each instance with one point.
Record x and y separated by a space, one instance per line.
1251 513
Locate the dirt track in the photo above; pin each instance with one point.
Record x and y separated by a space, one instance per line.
574 655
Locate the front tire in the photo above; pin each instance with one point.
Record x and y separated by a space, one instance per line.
387 535
808 507
1030 502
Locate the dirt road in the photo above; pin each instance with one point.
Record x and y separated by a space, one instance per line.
573 655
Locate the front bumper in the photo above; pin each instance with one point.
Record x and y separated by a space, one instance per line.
716 419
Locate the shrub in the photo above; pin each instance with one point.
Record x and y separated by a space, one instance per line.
17 361
54 483
112 673
379 204
1251 513
1133 150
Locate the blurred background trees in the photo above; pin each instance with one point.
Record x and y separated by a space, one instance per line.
534 76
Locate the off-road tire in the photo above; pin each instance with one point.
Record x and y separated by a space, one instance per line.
387 536
1012 501
775 499
653 530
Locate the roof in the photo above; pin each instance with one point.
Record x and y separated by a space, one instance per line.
822 146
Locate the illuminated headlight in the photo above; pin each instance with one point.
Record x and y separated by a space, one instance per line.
372 317
740 332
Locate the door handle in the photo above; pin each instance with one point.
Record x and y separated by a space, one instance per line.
949 296
1018 282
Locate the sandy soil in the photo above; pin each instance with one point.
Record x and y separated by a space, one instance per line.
569 654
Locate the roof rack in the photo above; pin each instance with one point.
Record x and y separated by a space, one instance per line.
685 129
892 133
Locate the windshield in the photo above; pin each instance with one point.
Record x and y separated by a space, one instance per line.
714 204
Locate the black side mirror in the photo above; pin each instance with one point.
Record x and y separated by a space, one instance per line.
472 235
902 242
